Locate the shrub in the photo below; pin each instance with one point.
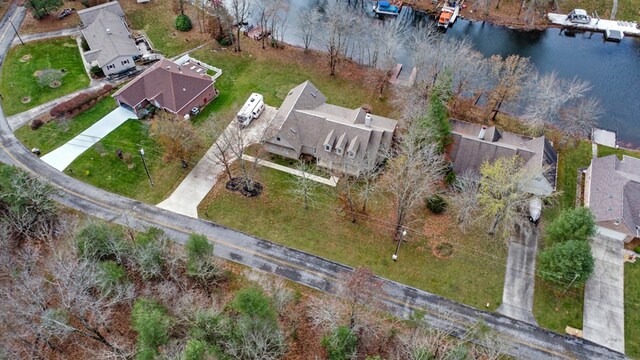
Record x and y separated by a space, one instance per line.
341 344
637 249
85 47
36 124
78 101
150 252
110 274
195 350
97 71
253 302
572 224
567 263
436 204
450 178
200 261
99 241
151 322
183 23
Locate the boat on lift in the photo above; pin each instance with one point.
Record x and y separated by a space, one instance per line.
448 14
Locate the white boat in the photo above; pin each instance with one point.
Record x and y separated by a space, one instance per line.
448 15
613 35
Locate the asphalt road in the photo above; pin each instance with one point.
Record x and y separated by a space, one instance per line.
526 341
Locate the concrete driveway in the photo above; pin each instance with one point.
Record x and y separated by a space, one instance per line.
604 293
61 157
192 190
519 277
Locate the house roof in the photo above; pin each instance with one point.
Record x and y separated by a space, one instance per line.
108 38
88 15
307 120
468 152
615 190
173 86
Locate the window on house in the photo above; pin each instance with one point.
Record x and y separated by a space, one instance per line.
352 154
339 151
124 62
111 66
314 150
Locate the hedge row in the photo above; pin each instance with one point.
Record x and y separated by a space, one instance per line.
78 101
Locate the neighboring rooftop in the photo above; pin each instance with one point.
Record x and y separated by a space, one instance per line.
613 193
109 38
474 144
173 86
87 16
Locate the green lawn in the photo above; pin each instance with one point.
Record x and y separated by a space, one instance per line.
54 134
555 308
632 309
19 81
474 275
606 151
101 167
628 10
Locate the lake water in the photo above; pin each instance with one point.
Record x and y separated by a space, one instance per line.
613 69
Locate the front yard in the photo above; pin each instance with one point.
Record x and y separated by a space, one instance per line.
632 309
37 72
56 133
474 274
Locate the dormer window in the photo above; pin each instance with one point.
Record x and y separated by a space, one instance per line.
339 151
327 148
352 154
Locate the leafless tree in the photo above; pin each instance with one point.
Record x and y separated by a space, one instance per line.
510 76
412 174
369 173
221 153
464 200
360 290
240 12
548 96
178 138
266 11
484 5
308 20
578 120
303 186
337 23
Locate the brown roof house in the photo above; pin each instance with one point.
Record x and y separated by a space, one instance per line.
111 46
612 192
339 138
474 144
169 86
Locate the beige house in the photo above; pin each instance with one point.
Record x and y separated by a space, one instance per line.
346 140
612 192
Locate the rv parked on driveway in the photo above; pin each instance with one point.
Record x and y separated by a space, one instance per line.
251 109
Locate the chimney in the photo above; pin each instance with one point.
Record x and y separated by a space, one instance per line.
482 132
109 31
367 120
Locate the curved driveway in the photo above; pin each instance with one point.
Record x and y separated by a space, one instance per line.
526 341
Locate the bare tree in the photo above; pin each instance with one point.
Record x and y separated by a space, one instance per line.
464 200
240 12
412 174
578 120
509 76
338 21
303 186
308 20
178 138
266 11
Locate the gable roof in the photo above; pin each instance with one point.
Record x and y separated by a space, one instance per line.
468 152
109 38
307 120
171 85
88 15
614 190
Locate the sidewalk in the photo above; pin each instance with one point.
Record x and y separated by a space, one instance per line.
333 181
47 35
193 189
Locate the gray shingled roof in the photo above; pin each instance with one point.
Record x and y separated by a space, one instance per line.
87 16
468 152
614 193
307 120
173 86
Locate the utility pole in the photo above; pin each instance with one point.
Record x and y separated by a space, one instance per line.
395 256
145 166
14 29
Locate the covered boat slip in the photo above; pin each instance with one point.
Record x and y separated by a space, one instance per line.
392 7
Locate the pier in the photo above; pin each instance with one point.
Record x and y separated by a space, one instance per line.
600 25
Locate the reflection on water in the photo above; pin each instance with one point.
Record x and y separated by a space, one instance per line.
613 69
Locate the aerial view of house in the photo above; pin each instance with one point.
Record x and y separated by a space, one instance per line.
341 139
340 180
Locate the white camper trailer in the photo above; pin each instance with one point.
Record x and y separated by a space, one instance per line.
251 109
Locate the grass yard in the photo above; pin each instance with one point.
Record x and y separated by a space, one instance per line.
101 167
554 308
157 19
606 151
632 309
19 73
474 274
55 133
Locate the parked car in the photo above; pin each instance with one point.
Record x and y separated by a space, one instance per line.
579 16
65 13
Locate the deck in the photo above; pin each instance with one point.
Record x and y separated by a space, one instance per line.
627 27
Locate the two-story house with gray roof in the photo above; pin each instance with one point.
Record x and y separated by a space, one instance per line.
612 192
346 140
111 45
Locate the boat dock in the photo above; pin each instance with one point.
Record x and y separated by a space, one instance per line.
397 79
626 27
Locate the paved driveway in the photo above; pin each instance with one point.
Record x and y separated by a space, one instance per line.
604 292
192 190
61 157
